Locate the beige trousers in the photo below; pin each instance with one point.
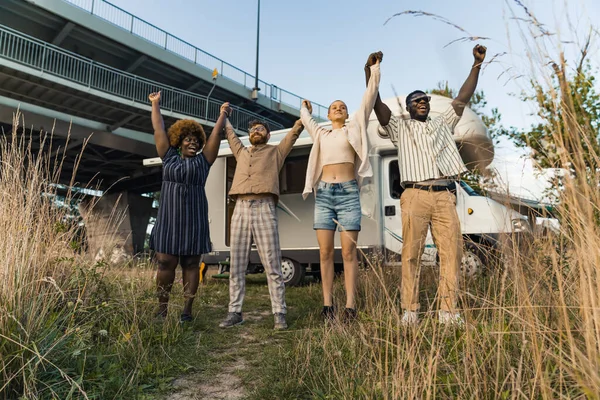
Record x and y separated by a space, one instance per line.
422 209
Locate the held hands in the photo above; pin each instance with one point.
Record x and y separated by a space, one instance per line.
226 108
306 103
298 124
479 54
154 97
374 58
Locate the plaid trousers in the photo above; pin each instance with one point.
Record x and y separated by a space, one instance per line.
255 221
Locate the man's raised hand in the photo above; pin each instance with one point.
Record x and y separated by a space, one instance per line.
306 103
479 54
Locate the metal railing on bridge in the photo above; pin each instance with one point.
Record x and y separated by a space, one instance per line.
136 26
53 60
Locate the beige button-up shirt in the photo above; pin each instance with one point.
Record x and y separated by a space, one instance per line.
257 170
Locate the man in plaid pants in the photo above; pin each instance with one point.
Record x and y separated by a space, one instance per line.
256 190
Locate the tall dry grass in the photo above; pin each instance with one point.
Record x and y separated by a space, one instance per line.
533 323
34 253
70 327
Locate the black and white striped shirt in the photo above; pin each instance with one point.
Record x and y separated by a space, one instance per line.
426 150
182 227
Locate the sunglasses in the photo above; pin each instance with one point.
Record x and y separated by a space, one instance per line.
417 100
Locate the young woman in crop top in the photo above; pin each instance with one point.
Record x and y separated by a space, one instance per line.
337 163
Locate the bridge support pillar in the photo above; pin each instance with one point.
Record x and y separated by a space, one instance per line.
116 225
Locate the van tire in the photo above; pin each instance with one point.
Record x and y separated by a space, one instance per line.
293 272
474 260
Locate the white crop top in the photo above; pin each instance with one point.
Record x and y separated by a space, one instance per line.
335 148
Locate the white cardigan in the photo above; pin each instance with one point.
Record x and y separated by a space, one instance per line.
357 136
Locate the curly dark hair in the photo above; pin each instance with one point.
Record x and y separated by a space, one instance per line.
184 128
255 122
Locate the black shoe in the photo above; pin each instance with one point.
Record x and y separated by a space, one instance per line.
328 313
160 314
280 323
232 319
350 315
185 318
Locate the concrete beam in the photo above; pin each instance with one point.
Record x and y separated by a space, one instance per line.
64 32
100 155
134 65
194 86
72 144
121 122
66 125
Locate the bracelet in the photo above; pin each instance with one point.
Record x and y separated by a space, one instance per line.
226 113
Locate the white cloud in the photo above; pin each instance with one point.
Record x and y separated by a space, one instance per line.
518 175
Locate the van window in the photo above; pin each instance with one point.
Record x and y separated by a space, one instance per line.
293 175
394 177
470 191
229 202
291 181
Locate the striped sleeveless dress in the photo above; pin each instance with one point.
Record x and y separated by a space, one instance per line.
181 227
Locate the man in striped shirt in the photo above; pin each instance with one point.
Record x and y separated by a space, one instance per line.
430 165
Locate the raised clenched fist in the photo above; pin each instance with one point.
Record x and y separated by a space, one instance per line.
374 58
154 97
479 53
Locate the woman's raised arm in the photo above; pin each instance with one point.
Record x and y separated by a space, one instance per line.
160 135
211 149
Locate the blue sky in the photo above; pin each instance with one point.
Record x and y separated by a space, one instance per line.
317 49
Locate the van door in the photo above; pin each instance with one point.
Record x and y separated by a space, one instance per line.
392 214
392 225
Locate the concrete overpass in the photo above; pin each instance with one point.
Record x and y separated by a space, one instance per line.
90 65
81 67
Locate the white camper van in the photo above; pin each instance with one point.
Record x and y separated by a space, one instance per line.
483 220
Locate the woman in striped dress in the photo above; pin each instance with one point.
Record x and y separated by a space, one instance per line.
181 233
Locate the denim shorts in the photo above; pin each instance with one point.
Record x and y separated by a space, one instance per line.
337 202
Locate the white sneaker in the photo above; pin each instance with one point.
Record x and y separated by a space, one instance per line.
446 317
409 318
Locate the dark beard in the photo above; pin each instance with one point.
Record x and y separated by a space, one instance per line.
255 141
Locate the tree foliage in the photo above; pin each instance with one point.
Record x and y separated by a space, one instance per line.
572 97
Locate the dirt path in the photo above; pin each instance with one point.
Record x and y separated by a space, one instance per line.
226 384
